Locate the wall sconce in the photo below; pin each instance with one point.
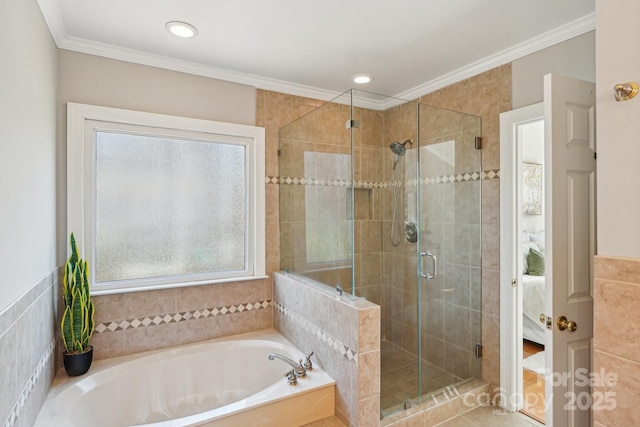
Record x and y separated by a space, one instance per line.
625 91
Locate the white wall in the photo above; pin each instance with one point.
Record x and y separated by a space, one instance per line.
618 130
27 149
96 80
572 58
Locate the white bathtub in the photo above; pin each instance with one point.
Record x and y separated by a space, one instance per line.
223 382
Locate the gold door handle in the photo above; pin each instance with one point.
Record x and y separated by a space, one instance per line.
563 324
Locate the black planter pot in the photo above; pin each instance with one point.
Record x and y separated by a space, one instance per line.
78 364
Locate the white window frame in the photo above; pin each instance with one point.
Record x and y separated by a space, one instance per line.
81 194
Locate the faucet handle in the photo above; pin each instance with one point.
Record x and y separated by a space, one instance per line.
292 379
307 363
301 371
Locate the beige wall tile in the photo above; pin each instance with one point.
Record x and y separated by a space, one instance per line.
625 395
368 383
369 411
149 303
197 297
491 370
108 308
617 269
151 338
491 246
491 292
369 329
617 318
109 344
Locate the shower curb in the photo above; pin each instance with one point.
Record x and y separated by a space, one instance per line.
444 406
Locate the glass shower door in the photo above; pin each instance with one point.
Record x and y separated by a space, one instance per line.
449 248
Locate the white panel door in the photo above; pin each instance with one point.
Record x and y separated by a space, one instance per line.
570 167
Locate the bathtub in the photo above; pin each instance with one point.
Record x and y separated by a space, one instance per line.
223 382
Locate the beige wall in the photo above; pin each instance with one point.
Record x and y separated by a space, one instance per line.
617 266
572 58
618 130
28 213
89 79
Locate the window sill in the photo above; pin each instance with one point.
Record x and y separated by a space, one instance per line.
129 288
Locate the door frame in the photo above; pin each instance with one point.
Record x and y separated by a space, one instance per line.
511 384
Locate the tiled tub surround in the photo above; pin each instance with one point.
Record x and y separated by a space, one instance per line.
133 322
616 337
345 338
27 348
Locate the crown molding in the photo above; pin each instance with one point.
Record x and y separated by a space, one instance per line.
64 41
557 35
161 61
54 20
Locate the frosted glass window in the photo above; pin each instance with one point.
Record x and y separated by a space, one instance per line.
167 207
158 201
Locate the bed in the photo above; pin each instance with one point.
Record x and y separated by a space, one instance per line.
532 306
533 287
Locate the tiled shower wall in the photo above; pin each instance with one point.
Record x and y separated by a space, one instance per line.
27 331
344 336
615 338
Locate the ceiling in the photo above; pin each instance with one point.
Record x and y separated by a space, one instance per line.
312 48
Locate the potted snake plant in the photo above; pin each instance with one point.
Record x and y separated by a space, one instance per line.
77 320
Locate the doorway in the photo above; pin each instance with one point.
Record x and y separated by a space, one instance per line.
569 206
523 173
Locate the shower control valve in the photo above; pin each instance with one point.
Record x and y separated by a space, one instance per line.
411 232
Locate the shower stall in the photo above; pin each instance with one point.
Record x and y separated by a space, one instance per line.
382 197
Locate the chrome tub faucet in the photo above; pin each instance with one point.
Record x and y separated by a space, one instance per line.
298 369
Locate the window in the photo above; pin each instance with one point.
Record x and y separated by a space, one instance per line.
160 201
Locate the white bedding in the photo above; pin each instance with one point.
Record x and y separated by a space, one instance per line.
532 306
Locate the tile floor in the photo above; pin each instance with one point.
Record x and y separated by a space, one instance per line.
483 416
399 382
490 416
399 377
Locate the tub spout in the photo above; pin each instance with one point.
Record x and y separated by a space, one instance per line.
299 369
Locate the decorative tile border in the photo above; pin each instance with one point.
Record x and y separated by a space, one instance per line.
179 317
324 336
443 179
28 388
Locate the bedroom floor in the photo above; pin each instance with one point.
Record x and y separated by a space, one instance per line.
533 385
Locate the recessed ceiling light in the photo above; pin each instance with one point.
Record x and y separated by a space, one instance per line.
181 29
362 78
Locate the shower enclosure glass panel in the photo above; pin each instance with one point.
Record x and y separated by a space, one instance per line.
368 183
316 195
450 229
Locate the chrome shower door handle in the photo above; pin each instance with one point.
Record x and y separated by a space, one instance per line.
435 265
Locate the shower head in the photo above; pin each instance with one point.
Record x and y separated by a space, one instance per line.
399 149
